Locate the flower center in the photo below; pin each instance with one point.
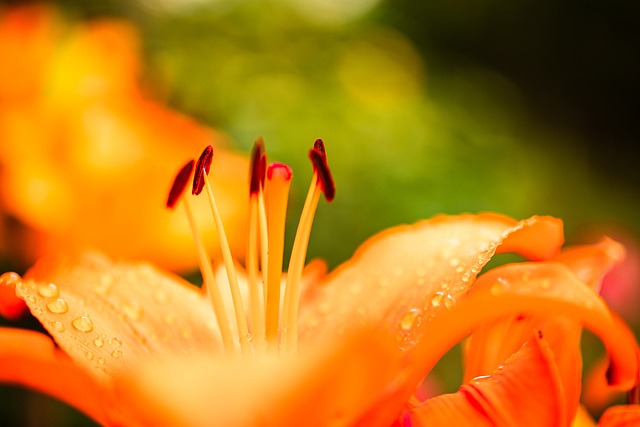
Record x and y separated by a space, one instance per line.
271 327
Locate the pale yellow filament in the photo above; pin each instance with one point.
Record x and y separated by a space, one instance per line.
296 265
212 290
256 293
243 330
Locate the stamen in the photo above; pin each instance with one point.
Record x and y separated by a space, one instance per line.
258 160
201 175
321 181
279 181
202 168
204 261
179 184
318 156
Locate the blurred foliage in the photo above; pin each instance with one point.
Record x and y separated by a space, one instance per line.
425 107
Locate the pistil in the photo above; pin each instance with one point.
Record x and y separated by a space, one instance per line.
278 184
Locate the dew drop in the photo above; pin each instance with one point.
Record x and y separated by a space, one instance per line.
31 298
59 326
132 310
98 342
497 289
355 288
545 284
89 355
115 354
100 361
116 342
83 324
58 306
479 378
437 298
324 307
454 262
449 302
161 297
48 291
409 318
169 319
10 279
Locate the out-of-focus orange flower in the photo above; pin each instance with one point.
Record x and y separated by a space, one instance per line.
143 347
85 153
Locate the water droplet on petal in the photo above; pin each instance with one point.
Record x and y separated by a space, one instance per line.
324 307
100 361
58 306
479 378
161 297
355 288
89 355
10 279
409 318
115 354
116 342
98 342
83 324
59 326
437 298
31 298
545 284
169 319
449 302
48 291
497 289
454 262
132 310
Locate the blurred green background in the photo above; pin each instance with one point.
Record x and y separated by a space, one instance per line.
426 107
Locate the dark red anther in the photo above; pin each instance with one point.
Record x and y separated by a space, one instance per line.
320 166
318 145
258 167
203 166
179 184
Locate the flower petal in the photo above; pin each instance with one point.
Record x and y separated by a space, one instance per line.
491 344
525 391
549 289
30 359
621 416
86 153
407 274
11 307
590 263
110 315
328 385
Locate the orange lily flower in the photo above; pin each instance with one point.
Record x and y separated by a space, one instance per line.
86 152
140 346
